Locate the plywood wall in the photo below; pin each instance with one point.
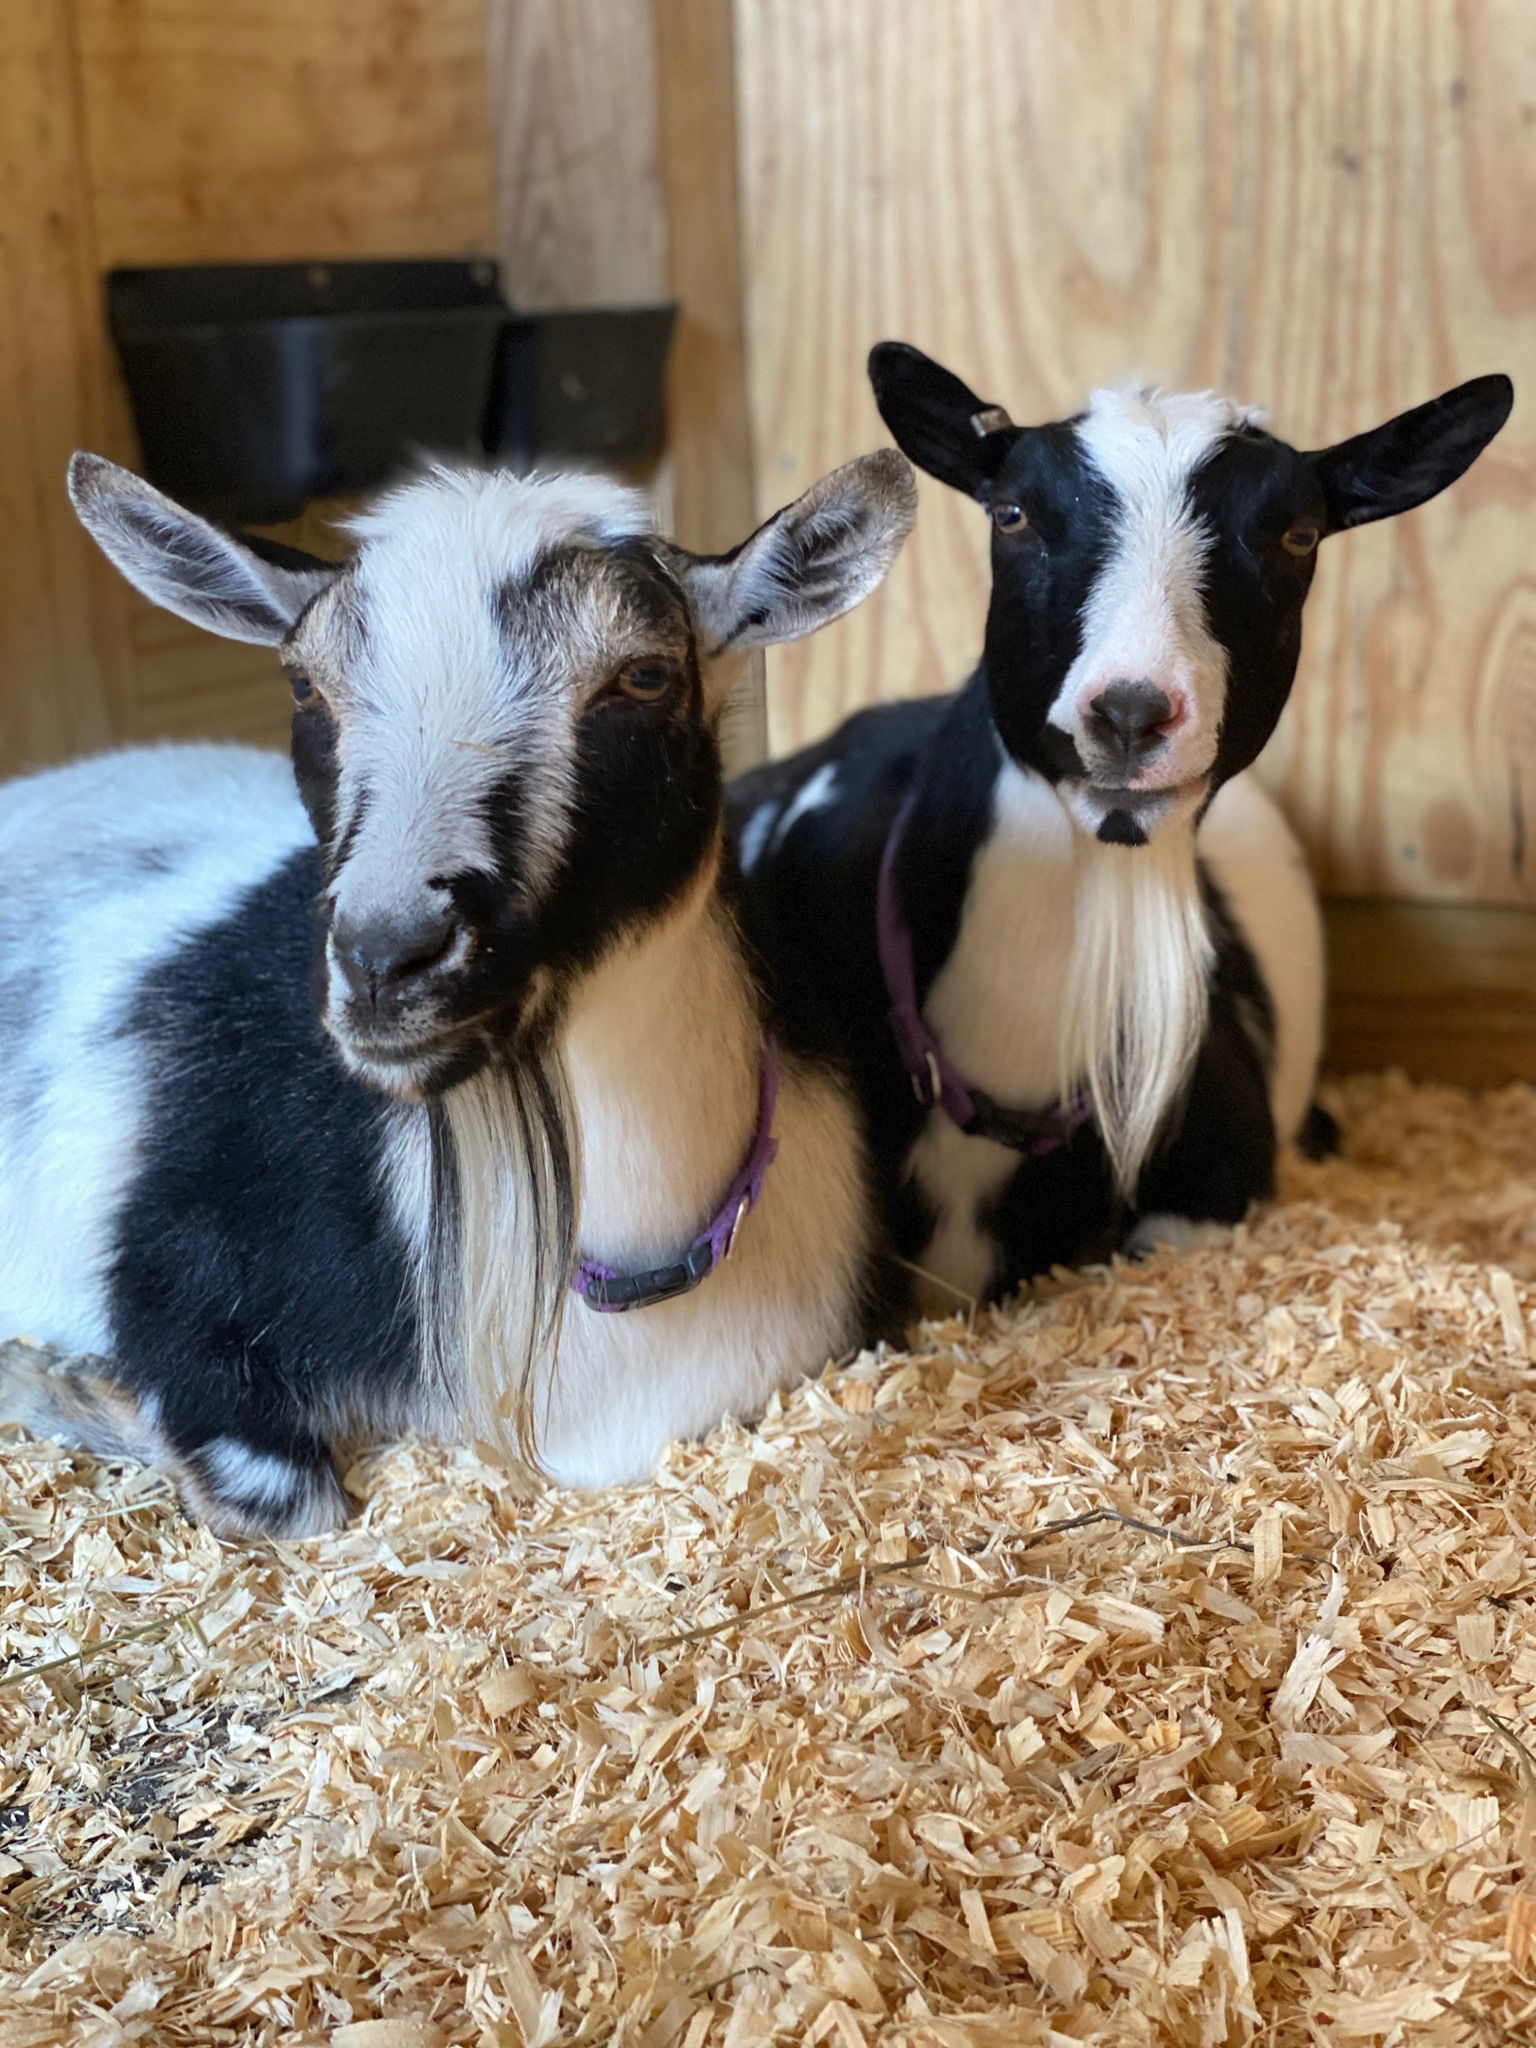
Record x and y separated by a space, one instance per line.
615 131
590 143
1325 206
150 131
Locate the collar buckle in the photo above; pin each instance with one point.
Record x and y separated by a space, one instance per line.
927 1081
736 1221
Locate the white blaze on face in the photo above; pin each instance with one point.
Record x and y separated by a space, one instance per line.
1145 620
436 702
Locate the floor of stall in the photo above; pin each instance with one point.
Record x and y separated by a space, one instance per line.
1153 1663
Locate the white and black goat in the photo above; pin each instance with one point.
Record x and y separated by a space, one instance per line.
313 1114
1076 967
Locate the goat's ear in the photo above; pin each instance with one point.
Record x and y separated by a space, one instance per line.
809 563
1413 457
937 420
191 568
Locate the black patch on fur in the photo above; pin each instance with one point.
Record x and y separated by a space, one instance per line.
258 1287
1041 583
312 742
1119 828
278 555
811 911
1320 1136
1246 495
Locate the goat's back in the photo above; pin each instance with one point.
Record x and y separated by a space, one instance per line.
108 869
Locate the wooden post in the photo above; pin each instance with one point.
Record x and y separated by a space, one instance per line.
614 134
714 492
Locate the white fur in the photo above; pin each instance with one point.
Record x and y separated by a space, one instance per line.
815 794
754 839
1174 1234
88 909
1137 990
1145 618
995 1007
997 1004
663 1051
256 1478
436 701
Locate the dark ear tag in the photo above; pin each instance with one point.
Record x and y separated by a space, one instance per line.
990 420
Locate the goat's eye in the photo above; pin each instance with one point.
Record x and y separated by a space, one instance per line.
303 689
1301 538
1010 518
645 682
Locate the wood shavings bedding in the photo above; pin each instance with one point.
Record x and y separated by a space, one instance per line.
1151 1663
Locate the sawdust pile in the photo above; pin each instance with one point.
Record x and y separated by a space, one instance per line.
1151 1665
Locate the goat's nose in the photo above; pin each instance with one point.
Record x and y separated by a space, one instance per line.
1127 714
383 958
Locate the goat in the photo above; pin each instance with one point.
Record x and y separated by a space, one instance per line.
1070 950
317 1103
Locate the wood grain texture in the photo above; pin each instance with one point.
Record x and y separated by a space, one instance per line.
614 127
1445 991
259 130
267 129
710 453
580 220
62 666
1322 205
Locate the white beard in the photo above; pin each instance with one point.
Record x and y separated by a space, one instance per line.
1137 990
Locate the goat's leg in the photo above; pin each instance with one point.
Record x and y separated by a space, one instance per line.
242 1468
245 1481
1219 1159
76 1398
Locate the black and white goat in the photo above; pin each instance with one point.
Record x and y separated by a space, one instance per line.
1075 964
313 1113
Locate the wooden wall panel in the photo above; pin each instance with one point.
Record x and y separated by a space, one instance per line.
62 672
1323 205
614 127
270 129
577 153
150 131
710 443
260 131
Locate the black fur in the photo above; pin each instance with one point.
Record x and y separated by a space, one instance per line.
264 1308
812 892
258 1286
811 909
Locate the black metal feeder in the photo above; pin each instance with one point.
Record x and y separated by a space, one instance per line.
581 385
257 388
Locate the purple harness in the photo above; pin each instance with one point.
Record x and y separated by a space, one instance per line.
610 1292
934 1080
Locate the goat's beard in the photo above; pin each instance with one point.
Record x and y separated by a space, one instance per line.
1137 991
505 1204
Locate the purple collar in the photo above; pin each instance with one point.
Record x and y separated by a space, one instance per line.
610 1292
934 1080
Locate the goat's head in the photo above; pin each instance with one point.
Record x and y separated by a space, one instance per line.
1150 561
505 714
